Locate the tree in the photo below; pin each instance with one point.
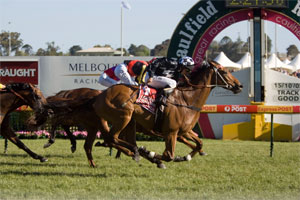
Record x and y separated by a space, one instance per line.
125 52
292 51
226 45
52 50
73 49
141 50
40 52
15 42
132 49
27 49
213 50
161 49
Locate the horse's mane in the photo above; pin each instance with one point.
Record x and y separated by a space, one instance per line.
199 70
17 86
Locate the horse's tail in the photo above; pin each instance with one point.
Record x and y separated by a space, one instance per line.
57 107
64 104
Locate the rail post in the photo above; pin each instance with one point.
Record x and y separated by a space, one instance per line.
272 136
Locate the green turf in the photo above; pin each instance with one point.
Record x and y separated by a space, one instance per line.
232 170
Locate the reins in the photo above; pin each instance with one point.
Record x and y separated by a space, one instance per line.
209 86
131 96
200 87
17 94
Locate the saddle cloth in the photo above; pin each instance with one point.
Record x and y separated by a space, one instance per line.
146 98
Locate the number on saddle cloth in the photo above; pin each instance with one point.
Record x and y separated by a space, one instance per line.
147 97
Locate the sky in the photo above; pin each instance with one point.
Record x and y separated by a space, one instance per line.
91 22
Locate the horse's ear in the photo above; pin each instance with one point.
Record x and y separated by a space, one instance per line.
214 63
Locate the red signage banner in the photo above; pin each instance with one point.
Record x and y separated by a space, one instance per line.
250 109
19 71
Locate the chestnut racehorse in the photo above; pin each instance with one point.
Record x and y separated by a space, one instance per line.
86 118
13 96
117 106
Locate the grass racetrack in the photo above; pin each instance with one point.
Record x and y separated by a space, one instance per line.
232 170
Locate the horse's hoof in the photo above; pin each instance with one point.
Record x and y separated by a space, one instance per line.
136 157
161 166
203 154
151 154
73 149
178 159
43 159
188 157
92 164
98 144
142 148
47 145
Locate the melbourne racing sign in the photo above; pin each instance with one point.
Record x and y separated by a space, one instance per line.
19 71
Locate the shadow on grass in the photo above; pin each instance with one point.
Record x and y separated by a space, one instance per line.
103 175
42 164
47 155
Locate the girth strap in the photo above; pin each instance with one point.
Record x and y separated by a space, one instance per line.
186 106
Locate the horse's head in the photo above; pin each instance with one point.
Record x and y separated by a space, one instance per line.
30 95
212 74
223 78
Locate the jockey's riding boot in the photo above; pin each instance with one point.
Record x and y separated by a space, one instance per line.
158 118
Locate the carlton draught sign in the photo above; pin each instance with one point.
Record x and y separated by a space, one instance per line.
19 71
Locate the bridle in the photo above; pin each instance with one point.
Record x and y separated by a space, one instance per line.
217 74
200 86
18 95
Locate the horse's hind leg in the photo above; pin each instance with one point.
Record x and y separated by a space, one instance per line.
88 145
9 134
126 147
71 137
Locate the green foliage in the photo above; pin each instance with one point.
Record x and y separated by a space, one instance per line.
292 51
15 42
161 49
234 50
232 170
141 50
51 50
73 49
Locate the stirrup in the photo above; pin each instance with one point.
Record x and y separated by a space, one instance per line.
168 91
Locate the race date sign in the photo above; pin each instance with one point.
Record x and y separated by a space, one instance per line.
256 3
287 92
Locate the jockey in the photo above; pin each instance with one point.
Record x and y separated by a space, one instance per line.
164 72
131 72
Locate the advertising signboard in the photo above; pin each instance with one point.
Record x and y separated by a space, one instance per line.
19 71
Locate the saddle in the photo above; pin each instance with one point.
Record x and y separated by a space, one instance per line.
154 100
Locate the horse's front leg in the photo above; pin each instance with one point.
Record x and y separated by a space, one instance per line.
195 149
71 137
7 132
168 154
52 136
